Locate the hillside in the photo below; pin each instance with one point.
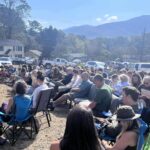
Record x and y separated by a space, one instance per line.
134 26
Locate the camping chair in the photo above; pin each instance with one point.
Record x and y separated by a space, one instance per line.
20 120
42 103
142 128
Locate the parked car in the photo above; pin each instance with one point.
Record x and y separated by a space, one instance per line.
77 61
140 67
57 61
29 60
5 61
18 61
95 64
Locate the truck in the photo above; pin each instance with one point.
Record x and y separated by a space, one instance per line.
58 62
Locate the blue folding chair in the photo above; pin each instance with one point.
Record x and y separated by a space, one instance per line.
142 128
106 114
19 118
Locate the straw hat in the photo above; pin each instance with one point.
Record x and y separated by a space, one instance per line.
125 113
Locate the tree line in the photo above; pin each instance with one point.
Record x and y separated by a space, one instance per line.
15 24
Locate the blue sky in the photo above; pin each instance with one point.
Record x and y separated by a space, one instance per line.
66 13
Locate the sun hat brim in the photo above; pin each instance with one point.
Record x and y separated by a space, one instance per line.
114 117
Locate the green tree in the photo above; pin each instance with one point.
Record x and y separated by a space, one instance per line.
48 39
34 27
12 13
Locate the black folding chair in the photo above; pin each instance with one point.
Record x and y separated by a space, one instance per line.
42 103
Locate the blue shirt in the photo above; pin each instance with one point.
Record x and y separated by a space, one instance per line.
84 87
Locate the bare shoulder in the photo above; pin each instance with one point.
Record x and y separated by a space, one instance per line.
132 137
55 145
130 134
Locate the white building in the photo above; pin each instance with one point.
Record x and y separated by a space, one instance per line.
11 48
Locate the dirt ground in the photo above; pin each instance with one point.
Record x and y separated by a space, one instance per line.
46 135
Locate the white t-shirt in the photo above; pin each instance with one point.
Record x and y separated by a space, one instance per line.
36 93
75 82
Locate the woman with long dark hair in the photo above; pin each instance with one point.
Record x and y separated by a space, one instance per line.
80 133
136 80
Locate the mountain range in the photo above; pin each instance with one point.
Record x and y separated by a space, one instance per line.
131 27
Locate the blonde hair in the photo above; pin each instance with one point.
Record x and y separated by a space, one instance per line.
124 78
147 78
127 124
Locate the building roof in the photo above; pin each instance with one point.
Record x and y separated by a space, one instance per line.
10 43
36 52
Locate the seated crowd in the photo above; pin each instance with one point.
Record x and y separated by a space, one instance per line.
94 94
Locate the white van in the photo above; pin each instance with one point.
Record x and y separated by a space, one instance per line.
95 64
140 67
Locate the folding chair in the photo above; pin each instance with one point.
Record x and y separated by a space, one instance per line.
142 128
42 103
20 120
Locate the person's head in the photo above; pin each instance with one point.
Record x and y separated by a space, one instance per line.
34 73
25 66
114 78
80 133
130 95
100 70
136 79
40 78
146 81
98 80
23 72
69 70
126 116
124 78
29 68
85 76
20 87
129 73
56 70
105 76
75 72
81 71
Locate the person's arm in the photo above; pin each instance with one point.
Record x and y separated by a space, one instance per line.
123 143
92 105
9 106
55 146
69 85
75 90
34 97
